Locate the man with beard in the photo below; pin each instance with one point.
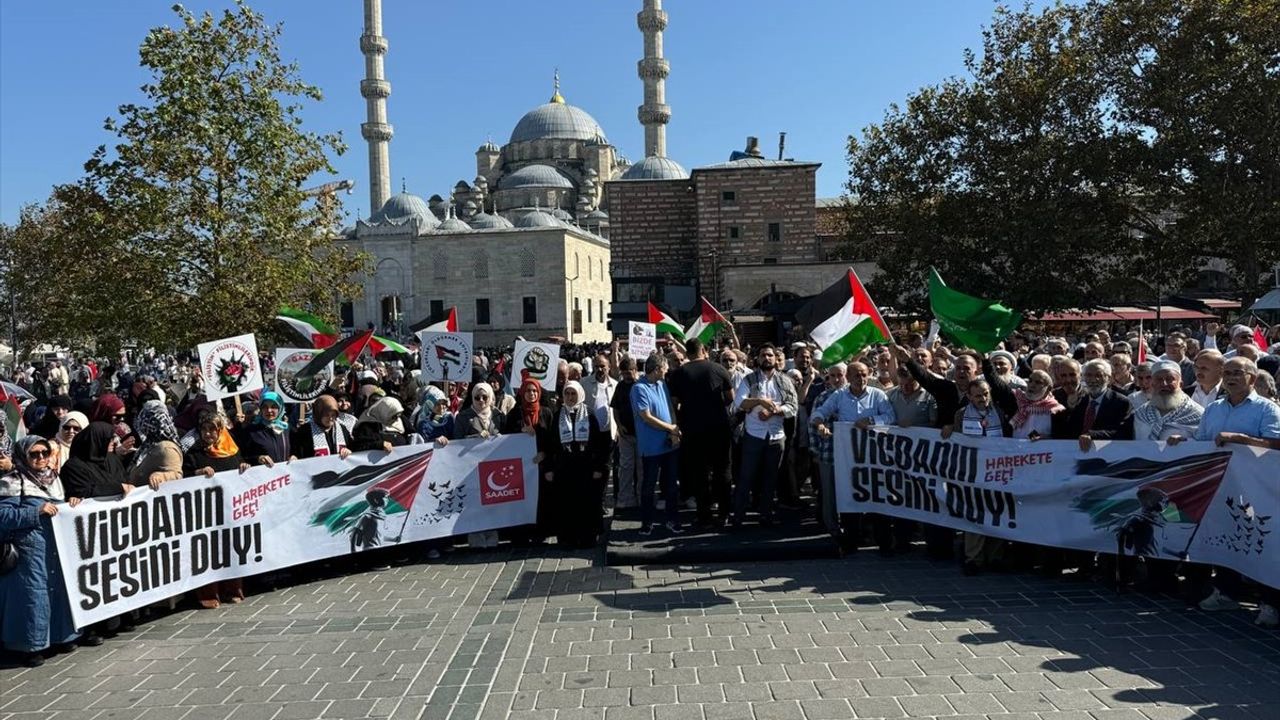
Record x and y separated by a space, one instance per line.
766 397
1170 411
1208 385
1122 373
795 463
1175 350
1102 415
1067 388
1004 364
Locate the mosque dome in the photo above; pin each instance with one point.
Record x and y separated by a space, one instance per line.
403 206
655 168
535 176
538 219
485 221
453 224
598 215
562 215
488 147
558 119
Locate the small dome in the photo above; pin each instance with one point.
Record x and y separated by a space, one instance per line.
402 206
562 215
656 168
535 176
537 219
558 120
598 215
485 221
488 147
453 225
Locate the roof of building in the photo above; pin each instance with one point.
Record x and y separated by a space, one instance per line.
539 176
561 214
655 168
756 162
485 221
488 146
453 224
598 215
558 120
405 205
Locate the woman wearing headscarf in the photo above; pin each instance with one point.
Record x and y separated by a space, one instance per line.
434 420
503 403
531 417
266 440
380 427
35 613
94 470
579 453
73 423
479 420
158 459
48 425
215 452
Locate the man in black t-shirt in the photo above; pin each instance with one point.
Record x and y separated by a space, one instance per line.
702 392
630 473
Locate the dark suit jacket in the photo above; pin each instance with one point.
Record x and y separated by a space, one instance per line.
1114 420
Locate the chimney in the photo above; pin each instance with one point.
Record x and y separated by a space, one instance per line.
782 143
753 146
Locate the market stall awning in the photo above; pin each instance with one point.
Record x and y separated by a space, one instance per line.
1125 313
1100 315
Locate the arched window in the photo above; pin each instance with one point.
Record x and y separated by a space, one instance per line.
590 269
482 265
527 263
576 268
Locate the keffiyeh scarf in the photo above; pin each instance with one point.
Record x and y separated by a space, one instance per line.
1048 405
1184 417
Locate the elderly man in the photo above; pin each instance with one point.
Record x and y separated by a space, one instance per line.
1140 391
657 439
911 404
1241 335
1122 373
1103 414
1169 411
737 370
1004 363
1175 350
1208 385
1094 350
859 404
766 397
824 453
1240 417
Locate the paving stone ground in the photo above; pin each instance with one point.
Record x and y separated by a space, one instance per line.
501 634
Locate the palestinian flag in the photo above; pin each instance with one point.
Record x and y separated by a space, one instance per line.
1179 491
379 344
970 321
11 415
317 332
664 322
348 348
399 481
843 320
446 321
709 323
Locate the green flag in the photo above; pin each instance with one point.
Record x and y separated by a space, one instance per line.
972 322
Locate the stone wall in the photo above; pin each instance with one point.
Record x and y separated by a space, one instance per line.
653 228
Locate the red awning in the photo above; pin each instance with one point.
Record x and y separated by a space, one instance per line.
1125 313
1080 316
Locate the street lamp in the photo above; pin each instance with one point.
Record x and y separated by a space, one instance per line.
569 304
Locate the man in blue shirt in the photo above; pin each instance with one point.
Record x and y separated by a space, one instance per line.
657 438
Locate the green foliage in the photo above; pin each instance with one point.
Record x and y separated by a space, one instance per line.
195 224
1097 150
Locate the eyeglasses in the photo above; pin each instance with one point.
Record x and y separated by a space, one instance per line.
38 454
71 428
118 418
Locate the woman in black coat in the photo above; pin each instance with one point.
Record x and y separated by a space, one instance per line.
94 469
579 452
531 417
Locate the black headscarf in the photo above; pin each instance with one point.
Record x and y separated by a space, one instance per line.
47 426
93 470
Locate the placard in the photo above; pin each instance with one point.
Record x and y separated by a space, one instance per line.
288 362
446 356
642 340
535 360
230 367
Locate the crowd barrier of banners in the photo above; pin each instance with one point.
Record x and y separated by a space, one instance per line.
1192 501
125 554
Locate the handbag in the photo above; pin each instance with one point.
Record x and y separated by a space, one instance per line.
9 549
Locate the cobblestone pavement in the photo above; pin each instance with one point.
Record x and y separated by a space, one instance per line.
498 635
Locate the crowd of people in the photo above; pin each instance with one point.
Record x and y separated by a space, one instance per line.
731 434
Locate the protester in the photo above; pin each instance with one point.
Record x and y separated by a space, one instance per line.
702 392
266 440
72 424
980 418
766 398
657 440
630 475
1208 385
215 452
912 406
531 417
824 453
1170 411
324 435
94 470
579 454
1104 414
35 613
158 458
381 427
434 421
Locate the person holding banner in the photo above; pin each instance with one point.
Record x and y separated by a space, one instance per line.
434 419
979 418
579 455
215 451
159 459
531 417
266 440
94 470
380 427
478 420
323 435
35 613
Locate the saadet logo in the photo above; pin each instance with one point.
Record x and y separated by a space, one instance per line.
501 481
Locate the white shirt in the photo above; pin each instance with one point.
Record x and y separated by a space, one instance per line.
770 429
1205 399
600 402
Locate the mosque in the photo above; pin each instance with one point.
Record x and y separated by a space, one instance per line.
560 236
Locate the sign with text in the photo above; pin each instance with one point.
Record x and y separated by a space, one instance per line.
230 367
446 356
292 389
642 340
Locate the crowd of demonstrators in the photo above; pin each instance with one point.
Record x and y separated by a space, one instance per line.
733 433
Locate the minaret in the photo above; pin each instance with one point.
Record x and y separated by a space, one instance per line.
375 89
654 113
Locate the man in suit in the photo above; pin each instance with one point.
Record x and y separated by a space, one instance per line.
1102 415
1208 385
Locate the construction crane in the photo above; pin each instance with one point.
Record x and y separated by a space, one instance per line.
328 195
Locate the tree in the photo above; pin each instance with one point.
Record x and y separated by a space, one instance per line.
196 220
1052 175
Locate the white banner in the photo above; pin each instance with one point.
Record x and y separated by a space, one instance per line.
642 340
1192 501
230 367
125 554
535 360
446 356
288 362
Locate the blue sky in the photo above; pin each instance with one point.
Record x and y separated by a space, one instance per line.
464 71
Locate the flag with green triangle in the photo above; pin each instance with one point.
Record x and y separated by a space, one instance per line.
708 324
317 332
843 320
664 322
970 321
